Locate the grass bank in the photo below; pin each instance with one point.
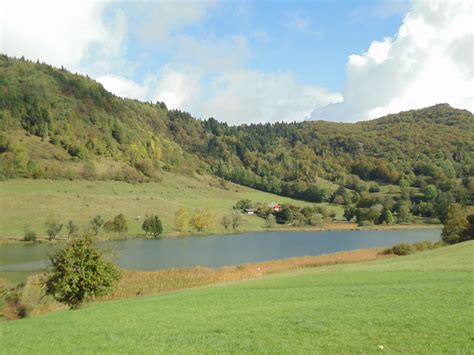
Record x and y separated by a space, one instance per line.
420 303
145 283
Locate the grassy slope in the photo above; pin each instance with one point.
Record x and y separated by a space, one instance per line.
415 304
33 201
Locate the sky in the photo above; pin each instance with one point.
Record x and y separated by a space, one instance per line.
258 61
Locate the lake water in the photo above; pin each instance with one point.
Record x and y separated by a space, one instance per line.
19 260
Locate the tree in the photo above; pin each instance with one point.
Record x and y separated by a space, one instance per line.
226 221
119 224
202 219
152 225
270 221
53 227
316 220
30 235
181 219
349 213
386 217
243 204
96 223
403 214
285 215
72 229
456 223
236 219
80 271
468 233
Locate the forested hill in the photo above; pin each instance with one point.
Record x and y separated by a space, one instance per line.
55 124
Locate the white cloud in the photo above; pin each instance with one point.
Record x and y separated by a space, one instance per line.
179 89
429 61
248 96
61 33
127 88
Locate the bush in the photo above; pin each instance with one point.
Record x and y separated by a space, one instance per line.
120 224
53 227
79 271
152 225
29 236
406 249
400 249
366 223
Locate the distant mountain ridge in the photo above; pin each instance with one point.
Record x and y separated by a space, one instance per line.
55 124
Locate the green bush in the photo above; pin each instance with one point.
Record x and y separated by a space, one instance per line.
405 249
152 225
29 236
400 249
434 221
80 271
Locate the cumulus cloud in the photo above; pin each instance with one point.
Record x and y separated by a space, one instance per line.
247 96
62 33
429 61
179 89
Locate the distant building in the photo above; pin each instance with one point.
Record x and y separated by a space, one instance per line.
275 207
249 211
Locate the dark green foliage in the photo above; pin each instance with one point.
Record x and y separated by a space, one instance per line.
80 271
406 249
386 217
152 225
243 204
455 225
80 121
29 236
285 215
349 213
468 233
120 224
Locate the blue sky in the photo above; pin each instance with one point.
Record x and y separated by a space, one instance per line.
258 61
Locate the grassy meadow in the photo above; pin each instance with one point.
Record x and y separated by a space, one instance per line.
421 303
31 202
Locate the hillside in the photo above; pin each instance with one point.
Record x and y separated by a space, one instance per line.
32 202
420 303
55 124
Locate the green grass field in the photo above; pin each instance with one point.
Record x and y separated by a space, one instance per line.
31 202
422 303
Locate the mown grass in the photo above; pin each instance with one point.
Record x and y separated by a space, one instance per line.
420 303
31 202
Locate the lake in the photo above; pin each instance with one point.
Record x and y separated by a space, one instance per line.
19 260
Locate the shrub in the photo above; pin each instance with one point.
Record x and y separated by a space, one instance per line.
152 225
400 249
270 221
366 223
120 224
72 229
53 227
79 271
29 236
95 224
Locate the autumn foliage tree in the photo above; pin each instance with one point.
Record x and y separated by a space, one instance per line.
80 271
